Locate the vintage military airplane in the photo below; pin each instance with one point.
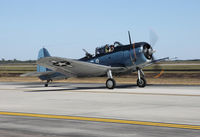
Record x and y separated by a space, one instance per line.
108 60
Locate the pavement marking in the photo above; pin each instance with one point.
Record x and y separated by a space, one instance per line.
144 123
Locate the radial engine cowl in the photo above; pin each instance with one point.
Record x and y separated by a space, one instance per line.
148 51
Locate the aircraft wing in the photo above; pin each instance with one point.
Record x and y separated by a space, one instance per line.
75 68
159 60
156 61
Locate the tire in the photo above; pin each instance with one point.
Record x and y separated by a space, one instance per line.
141 83
110 83
46 85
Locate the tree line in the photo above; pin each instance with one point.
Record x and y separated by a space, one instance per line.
4 61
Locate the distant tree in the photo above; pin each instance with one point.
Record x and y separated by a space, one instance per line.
3 60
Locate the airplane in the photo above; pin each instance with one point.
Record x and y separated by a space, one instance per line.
108 60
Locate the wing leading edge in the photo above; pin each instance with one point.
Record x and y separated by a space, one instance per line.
75 68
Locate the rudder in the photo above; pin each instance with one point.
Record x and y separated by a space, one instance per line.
42 53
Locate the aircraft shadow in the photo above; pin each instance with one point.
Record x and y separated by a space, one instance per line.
78 88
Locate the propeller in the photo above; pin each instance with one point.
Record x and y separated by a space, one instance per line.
134 52
129 35
153 38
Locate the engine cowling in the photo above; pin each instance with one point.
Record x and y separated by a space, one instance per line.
148 51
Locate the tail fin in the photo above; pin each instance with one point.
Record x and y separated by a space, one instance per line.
42 53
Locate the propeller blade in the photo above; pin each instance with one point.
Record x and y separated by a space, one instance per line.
129 35
134 52
153 37
157 69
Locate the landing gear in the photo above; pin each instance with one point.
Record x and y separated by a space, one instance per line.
110 83
141 82
47 83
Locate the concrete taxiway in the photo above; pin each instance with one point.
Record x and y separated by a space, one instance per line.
69 109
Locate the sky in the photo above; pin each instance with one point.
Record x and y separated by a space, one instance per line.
65 27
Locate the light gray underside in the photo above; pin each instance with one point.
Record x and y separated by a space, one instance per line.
77 68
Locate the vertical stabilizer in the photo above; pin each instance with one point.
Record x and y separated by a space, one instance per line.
42 53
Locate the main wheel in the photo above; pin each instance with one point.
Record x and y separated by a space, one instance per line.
46 85
141 83
110 83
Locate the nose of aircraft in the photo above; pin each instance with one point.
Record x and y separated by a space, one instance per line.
148 51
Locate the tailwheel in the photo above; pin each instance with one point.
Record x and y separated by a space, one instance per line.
141 82
46 85
110 83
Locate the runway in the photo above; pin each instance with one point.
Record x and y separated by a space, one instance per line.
74 109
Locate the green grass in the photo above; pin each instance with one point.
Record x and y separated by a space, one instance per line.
18 68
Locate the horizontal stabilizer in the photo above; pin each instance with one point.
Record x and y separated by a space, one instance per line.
37 74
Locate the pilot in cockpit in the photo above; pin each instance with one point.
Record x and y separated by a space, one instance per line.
106 48
111 48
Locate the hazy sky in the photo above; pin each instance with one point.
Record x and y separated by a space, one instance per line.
64 27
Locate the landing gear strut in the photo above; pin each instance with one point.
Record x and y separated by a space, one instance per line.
47 83
141 82
110 83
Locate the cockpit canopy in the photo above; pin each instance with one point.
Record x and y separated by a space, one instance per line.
107 48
